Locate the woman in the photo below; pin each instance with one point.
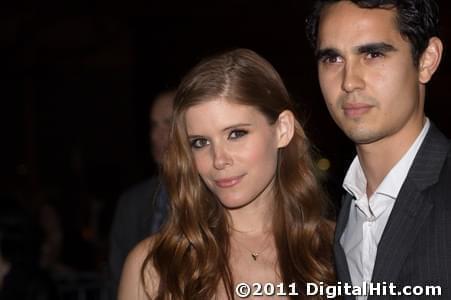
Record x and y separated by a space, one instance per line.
245 203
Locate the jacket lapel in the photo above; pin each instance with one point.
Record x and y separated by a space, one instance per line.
397 241
340 257
411 208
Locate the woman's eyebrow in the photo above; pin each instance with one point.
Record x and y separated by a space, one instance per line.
237 125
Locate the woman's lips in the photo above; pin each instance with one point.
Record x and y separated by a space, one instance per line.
228 182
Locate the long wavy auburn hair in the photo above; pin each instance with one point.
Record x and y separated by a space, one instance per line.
191 253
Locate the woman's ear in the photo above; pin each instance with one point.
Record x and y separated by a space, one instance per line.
285 128
430 59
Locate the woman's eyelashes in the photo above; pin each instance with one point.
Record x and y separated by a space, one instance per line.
198 143
201 142
237 133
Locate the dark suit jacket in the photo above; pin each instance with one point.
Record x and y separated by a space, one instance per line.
415 247
139 213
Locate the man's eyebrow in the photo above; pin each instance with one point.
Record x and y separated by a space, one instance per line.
375 47
366 48
326 52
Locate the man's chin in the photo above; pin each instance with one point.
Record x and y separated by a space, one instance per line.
362 137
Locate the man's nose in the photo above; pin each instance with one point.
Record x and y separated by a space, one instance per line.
352 77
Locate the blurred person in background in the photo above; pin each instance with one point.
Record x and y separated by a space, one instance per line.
142 209
22 273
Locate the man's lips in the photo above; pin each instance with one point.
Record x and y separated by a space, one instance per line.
229 181
356 109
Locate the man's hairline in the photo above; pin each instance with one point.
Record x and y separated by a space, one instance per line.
395 20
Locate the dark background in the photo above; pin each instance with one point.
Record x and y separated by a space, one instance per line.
76 89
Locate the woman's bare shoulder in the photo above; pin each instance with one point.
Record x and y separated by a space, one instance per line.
131 286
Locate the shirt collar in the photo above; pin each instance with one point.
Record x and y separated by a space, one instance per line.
355 180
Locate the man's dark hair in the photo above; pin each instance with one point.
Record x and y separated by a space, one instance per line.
417 20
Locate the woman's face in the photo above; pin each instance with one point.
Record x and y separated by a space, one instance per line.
234 149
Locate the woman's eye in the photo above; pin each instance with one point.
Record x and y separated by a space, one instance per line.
199 143
234 134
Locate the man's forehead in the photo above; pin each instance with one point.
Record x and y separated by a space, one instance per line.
346 24
162 105
343 13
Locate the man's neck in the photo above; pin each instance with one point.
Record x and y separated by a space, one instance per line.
378 158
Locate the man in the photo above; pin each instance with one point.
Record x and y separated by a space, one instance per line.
142 209
374 60
160 124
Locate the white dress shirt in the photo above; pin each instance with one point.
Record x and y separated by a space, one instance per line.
368 217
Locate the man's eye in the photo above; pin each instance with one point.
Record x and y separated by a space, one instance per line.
331 59
235 134
199 143
375 54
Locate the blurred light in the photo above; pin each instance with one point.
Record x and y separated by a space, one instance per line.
323 164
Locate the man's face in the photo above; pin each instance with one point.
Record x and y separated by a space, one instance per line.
366 73
160 125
